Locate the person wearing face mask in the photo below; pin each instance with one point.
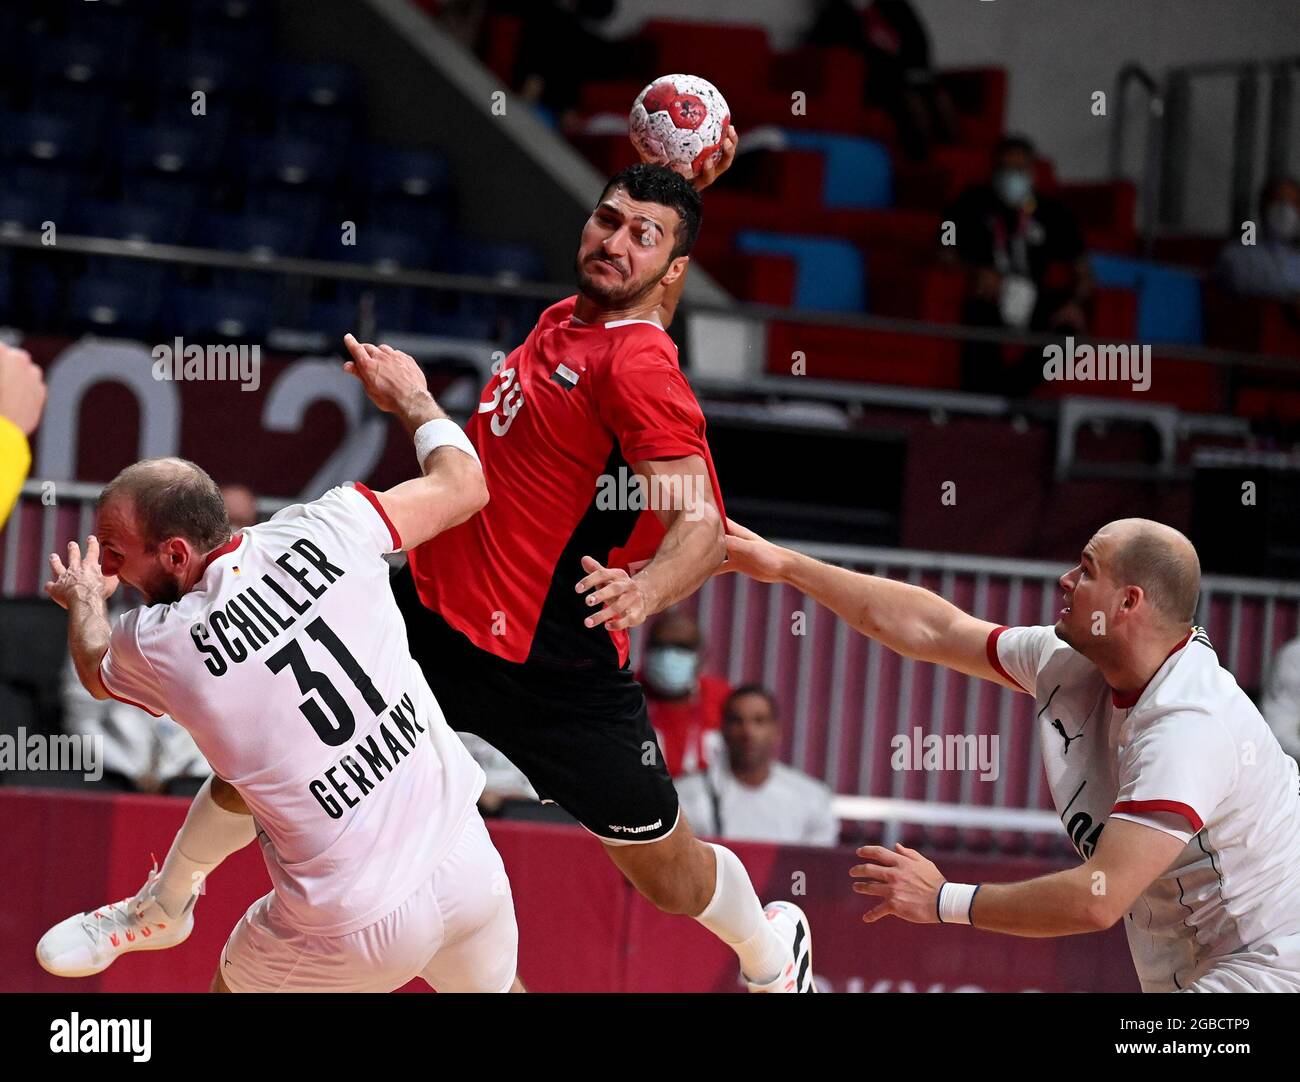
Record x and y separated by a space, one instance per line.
1270 268
1011 238
685 704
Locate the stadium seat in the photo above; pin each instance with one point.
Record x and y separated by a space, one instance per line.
830 272
385 250
417 174
1169 299
26 211
170 149
81 61
117 305
220 315
213 73
320 86
157 225
256 235
492 259
41 137
422 218
291 161
858 172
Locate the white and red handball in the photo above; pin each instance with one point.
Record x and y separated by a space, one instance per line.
679 121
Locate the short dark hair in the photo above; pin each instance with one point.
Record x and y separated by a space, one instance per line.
751 689
1014 142
658 184
173 497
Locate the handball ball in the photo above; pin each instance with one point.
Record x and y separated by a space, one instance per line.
679 121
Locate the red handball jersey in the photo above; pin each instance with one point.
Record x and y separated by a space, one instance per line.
557 430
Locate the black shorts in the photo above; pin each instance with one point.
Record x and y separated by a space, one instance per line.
582 737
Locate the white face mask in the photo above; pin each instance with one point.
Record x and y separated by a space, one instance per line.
1282 221
1013 186
670 670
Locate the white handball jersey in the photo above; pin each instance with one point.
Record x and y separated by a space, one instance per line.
1191 756
288 663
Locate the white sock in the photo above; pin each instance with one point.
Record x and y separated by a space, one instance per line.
209 834
735 915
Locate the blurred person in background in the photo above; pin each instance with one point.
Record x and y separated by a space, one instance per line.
1280 701
1270 268
685 704
900 73
142 753
1011 238
747 794
22 398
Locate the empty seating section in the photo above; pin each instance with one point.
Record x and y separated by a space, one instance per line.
182 124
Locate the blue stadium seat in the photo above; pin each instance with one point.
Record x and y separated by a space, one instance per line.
122 221
188 70
257 235
495 259
184 195
78 105
220 315
416 174
116 305
81 61
1169 299
429 221
383 249
290 161
334 130
305 210
859 173
58 181
453 325
830 274
320 85
26 211
42 137
169 148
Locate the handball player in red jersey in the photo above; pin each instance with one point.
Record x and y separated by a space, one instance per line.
519 617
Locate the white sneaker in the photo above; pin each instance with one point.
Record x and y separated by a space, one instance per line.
89 943
791 924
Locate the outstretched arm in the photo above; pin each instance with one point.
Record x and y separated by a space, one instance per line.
1089 898
910 620
452 488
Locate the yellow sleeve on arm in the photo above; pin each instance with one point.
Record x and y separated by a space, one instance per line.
15 460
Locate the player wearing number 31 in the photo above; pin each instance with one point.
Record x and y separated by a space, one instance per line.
1181 804
282 651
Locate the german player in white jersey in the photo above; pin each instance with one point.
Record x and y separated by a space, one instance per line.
1176 795
282 651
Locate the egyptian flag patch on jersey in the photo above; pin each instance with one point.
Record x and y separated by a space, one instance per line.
565 376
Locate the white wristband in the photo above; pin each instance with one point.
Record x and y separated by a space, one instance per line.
955 901
441 433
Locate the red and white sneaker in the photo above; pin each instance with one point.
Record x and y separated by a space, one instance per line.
791 924
89 943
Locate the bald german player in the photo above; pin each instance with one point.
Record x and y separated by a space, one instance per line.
281 650
1171 786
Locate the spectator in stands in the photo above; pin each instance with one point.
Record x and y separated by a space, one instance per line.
1013 241
1280 702
1269 268
900 76
750 795
561 47
22 397
685 704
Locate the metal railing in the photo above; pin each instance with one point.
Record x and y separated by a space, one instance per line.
846 698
